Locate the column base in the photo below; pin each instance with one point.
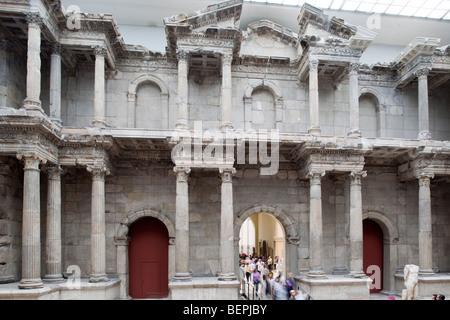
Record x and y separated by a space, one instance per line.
33 107
227 277
426 272
226 126
182 277
314 130
354 133
54 278
31 284
100 123
95 278
316 274
182 125
356 274
340 271
424 135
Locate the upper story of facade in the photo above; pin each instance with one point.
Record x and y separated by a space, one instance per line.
72 74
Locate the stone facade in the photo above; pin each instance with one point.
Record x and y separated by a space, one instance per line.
90 143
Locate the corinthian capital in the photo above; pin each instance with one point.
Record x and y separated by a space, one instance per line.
99 171
227 174
182 173
314 176
313 64
100 51
424 179
182 55
422 72
34 19
356 176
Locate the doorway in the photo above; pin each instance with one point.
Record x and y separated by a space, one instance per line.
373 254
148 259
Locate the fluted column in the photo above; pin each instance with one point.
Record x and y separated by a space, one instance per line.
424 125
226 226
31 223
314 127
99 87
55 84
354 101
32 101
182 225
356 225
425 235
226 101
53 232
315 225
183 90
98 243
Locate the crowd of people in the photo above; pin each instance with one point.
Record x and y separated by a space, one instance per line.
266 277
438 297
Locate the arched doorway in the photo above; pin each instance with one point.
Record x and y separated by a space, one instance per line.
148 259
373 254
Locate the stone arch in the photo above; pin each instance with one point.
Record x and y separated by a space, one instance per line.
380 108
140 213
269 85
390 232
290 230
274 90
132 91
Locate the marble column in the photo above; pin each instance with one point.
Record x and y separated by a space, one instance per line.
226 226
5 49
182 225
226 101
53 233
31 223
98 241
315 225
183 90
55 84
314 127
32 102
99 87
422 78
354 101
425 225
356 225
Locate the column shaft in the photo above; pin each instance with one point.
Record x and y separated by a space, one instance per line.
31 231
313 98
226 226
226 102
99 96
33 91
183 90
354 101
53 234
425 235
424 125
356 225
182 225
98 243
315 225
55 85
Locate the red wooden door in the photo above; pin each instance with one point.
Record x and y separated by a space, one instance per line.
373 254
148 259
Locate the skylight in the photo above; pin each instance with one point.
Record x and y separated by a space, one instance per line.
433 9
